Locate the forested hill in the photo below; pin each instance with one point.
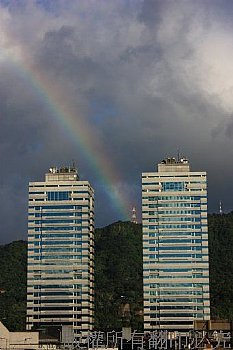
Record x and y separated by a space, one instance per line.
13 280
221 265
118 275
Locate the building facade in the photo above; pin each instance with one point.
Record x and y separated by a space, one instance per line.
175 247
60 277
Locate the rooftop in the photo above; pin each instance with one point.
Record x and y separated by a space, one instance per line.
69 173
63 170
173 160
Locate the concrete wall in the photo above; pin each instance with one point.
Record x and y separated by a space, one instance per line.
18 340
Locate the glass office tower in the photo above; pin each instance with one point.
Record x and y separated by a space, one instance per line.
175 247
60 252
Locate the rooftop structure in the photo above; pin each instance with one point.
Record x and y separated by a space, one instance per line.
62 174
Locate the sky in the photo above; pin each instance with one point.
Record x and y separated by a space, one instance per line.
114 86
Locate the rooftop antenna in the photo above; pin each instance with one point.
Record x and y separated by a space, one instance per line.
178 154
220 207
134 216
73 164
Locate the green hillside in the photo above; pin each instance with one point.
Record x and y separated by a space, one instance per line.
118 275
221 265
13 279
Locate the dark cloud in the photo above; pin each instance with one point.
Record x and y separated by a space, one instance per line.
144 78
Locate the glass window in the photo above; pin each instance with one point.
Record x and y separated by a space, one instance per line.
59 195
173 186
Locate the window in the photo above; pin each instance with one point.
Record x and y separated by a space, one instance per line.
173 186
58 195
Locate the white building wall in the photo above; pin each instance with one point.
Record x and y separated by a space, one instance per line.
175 247
18 340
60 252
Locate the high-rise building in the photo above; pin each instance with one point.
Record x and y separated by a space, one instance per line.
175 246
60 252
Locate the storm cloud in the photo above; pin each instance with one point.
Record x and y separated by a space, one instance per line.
146 77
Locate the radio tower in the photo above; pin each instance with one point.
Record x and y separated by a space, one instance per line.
220 207
134 216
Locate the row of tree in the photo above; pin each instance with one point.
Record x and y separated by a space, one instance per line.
118 275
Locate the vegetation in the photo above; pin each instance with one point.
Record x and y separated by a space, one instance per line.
13 280
221 265
118 275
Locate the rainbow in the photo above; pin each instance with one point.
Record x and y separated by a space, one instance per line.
77 129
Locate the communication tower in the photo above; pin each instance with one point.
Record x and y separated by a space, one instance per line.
220 207
134 216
